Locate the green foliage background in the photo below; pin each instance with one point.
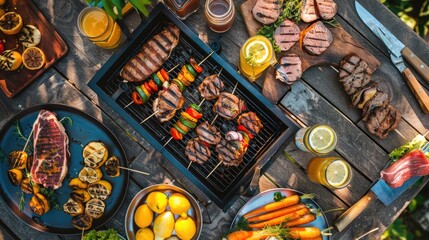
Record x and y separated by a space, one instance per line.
415 13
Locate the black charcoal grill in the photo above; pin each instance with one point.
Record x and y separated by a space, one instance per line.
224 182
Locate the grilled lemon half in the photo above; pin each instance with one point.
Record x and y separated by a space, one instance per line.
95 154
73 207
11 23
95 208
90 175
100 190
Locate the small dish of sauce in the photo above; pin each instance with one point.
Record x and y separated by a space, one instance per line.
219 14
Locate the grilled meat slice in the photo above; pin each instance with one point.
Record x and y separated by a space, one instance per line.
380 99
197 152
266 11
51 151
208 134
152 56
317 38
286 35
326 9
291 65
171 99
211 87
230 153
309 11
162 114
353 74
228 106
251 121
382 120
364 94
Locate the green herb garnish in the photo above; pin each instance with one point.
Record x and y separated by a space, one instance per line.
21 204
278 196
109 234
18 131
68 119
52 197
416 143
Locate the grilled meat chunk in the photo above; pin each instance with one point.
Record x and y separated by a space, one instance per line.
286 35
228 106
382 120
326 9
266 11
197 152
211 87
231 153
364 94
152 56
51 151
208 134
317 38
251 121
291 65
161 114
309 11
380 99
168 102
353 74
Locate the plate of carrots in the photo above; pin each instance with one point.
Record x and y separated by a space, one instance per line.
278 214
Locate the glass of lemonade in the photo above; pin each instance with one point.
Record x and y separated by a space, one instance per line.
99 28
256 55
332 172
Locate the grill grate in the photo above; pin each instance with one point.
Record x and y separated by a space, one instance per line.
223 182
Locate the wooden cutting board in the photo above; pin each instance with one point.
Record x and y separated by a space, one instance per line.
342 45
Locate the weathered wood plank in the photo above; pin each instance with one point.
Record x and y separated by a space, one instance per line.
6 233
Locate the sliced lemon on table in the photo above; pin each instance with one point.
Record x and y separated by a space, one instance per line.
33 58
322 138
257 52
11 23
337 173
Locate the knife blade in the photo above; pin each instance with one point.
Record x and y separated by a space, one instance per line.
381 191
397 51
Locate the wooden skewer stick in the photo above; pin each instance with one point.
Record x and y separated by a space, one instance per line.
169 140
83 231
189 165
220 162
150 116
133 170
336 70
205 58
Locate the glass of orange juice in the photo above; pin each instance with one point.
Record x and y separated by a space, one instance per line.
332 172
99 28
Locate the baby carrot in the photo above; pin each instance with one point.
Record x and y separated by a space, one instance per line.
281 219
300 221
277 213
316 238
308 232
286 202
249 235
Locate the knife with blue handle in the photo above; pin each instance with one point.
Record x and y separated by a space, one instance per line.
398 51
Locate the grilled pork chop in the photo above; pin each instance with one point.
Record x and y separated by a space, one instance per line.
167 103
380 99
326 9
51 151
197 152
309 11
266 11
153 54
286 35
291 65
382 120
208 134
317 38
211 87
231 153
353 74
251 121
228 106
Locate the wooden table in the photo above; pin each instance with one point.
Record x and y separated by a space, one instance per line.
317 98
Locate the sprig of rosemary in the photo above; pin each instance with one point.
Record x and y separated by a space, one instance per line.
333 23
68 119
52 197
18 131
21 204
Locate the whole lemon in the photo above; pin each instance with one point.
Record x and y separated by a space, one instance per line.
143 216
179 204
157 201
144 234
163 225
185 228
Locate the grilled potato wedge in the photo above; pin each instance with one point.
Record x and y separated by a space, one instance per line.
29 187
90 175
82 222
111 166
76 183
80 195
73 207
95 154
95 208
39 204
100 190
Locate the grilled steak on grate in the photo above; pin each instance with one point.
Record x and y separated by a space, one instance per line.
309 11
208 134
251 121
152 56
231 153
326 9
51 151
211 87
382 120
228 106
197 152
168 102
317 38
291 65
286 35
353 74
266 11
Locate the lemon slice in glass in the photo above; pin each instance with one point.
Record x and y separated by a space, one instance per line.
257 52
322 138
337 173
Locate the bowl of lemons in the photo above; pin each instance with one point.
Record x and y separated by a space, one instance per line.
163 212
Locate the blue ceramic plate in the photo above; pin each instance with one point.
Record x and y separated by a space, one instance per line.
266 197
83 129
